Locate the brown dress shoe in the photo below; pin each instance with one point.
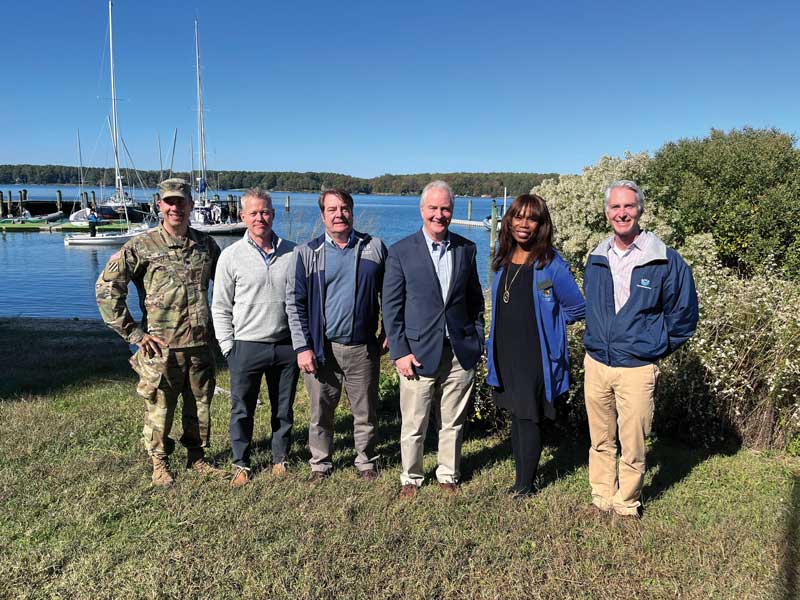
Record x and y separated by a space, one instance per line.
318 477
242 477
596 511
409 490
369 475
449 488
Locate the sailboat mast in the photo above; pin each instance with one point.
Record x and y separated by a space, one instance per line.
114 126
201 132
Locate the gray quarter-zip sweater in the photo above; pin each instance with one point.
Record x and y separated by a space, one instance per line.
250 293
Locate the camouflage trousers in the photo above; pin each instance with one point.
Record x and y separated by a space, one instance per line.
187 372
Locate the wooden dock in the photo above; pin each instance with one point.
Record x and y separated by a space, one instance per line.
468 223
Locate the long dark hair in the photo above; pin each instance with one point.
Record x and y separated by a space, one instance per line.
543 251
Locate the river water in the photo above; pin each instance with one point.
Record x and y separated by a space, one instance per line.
40 277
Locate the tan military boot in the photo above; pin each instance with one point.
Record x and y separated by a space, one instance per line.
162 476
197 463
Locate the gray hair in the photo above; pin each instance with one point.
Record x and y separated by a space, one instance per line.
437 185
256 192
628 185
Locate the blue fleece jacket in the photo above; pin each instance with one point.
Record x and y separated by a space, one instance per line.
557 301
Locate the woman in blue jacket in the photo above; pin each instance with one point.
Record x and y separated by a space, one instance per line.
534 296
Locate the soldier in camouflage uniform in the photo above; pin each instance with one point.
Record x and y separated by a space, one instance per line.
171 266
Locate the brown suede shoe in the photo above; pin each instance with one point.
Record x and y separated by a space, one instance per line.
369 475
280 469
449 488
196 462
408 491
162 476
241 477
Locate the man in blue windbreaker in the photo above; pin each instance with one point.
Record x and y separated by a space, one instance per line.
641 305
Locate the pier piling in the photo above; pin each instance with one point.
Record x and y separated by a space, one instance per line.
469 209
1 205
493 229
58 200
288 202
94 200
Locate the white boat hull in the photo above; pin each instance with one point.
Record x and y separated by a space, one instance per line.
104 239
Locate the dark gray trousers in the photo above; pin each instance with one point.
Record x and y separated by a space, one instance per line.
248 362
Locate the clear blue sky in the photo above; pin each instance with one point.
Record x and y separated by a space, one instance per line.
376 87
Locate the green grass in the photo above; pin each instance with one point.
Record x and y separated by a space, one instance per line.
80 519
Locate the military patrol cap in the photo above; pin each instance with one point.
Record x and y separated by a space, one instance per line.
174 187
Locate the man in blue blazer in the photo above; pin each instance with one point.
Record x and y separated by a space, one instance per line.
433 318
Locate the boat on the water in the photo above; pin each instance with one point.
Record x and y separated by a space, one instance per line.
120 202
207 216
115 238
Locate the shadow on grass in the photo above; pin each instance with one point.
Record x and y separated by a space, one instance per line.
43 356
789 577
674 461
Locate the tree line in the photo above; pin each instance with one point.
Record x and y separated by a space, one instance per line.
467 184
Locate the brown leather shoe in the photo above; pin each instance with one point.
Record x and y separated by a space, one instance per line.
408 491
318 477
369 475
242 476
280 469
596 511
449 488
162 476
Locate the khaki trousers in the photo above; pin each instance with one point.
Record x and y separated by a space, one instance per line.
619 404
357 369
448 391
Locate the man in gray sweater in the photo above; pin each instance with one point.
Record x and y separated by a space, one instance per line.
249 312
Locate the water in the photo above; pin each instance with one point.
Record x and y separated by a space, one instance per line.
40 277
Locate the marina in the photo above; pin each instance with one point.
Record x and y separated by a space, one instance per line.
41 277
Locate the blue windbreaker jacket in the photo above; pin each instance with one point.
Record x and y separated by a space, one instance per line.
557 301
659 316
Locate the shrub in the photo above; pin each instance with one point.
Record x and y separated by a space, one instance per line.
742 186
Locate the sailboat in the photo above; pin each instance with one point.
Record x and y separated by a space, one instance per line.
120 198
202 217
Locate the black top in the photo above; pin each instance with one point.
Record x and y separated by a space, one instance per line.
517 352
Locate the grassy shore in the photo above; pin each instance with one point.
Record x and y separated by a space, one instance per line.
80 519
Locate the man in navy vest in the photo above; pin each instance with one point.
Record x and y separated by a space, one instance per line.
433 316
641 305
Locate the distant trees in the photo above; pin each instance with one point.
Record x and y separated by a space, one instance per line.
471 184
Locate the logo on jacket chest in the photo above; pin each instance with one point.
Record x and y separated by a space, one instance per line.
644 283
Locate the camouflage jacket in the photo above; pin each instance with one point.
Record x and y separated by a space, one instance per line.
171 276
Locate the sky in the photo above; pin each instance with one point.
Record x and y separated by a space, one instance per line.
374 87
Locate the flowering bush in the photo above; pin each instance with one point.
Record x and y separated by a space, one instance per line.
739 375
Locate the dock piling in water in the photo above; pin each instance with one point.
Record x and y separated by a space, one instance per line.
493 229
94 200
288 202
58 200
469 209
1 204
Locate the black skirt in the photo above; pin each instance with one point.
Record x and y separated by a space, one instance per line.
517 352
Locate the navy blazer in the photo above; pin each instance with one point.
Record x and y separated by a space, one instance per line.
414 314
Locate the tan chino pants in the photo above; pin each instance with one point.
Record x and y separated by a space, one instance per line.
619 404
447 392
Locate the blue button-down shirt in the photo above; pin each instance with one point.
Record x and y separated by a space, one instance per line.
442 264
